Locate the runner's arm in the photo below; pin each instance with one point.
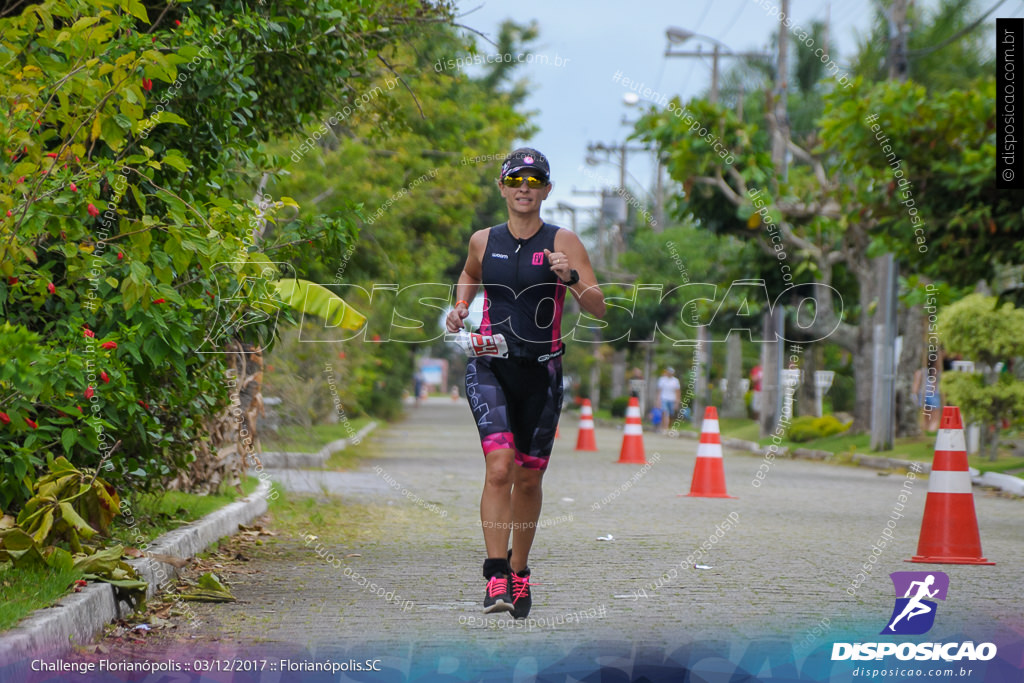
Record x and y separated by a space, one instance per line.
587 291
469 281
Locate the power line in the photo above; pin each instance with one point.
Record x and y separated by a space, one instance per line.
743 8
920 52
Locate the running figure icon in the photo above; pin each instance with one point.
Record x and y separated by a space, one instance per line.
915 607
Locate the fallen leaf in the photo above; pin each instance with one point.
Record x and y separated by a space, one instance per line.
176 562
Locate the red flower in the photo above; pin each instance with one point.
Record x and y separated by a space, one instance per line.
21 179
51 289
52 155
88 333
147 84
9 214
109 345
31 423
104 376
120 255
73 187
89 392
143 404
177 22
159 301
79 408
93 211
5 418
12 281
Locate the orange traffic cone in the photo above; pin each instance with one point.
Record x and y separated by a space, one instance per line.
632 452
949 529
585 439
708 470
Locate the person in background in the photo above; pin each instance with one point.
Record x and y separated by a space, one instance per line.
655 417
418 386
669 394
755 385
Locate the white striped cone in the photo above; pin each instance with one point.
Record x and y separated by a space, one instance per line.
585 439
949 528
708 470
632 452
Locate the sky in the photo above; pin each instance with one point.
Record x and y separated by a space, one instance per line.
577 102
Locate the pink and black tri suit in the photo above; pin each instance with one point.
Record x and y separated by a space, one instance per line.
516 401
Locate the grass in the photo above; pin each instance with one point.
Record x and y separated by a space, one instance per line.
739 428
310 440
158 513
23 591
340 522
348 459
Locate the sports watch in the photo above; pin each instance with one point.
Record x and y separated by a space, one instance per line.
574 277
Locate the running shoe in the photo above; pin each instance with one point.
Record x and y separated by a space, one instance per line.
499 595
521 599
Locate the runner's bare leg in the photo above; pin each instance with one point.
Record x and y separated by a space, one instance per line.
496 501
526 502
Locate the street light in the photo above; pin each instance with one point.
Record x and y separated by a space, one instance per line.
676 36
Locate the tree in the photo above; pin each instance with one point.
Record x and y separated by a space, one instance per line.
128 244
411 191
989 334
838 207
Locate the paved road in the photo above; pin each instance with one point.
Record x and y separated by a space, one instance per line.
782 569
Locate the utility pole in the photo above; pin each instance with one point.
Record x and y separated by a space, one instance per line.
599 260
828 24
773 346
779 143
679 35
883 384
897 56
614 202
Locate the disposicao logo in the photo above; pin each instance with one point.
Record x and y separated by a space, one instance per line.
914 614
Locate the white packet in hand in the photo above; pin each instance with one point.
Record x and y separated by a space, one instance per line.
482 344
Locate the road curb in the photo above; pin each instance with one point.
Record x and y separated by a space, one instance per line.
77 618
289 460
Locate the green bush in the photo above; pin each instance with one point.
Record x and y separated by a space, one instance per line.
802 429
619 406
808 428
828 425
129 247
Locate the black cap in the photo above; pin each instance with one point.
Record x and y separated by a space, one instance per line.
525 158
